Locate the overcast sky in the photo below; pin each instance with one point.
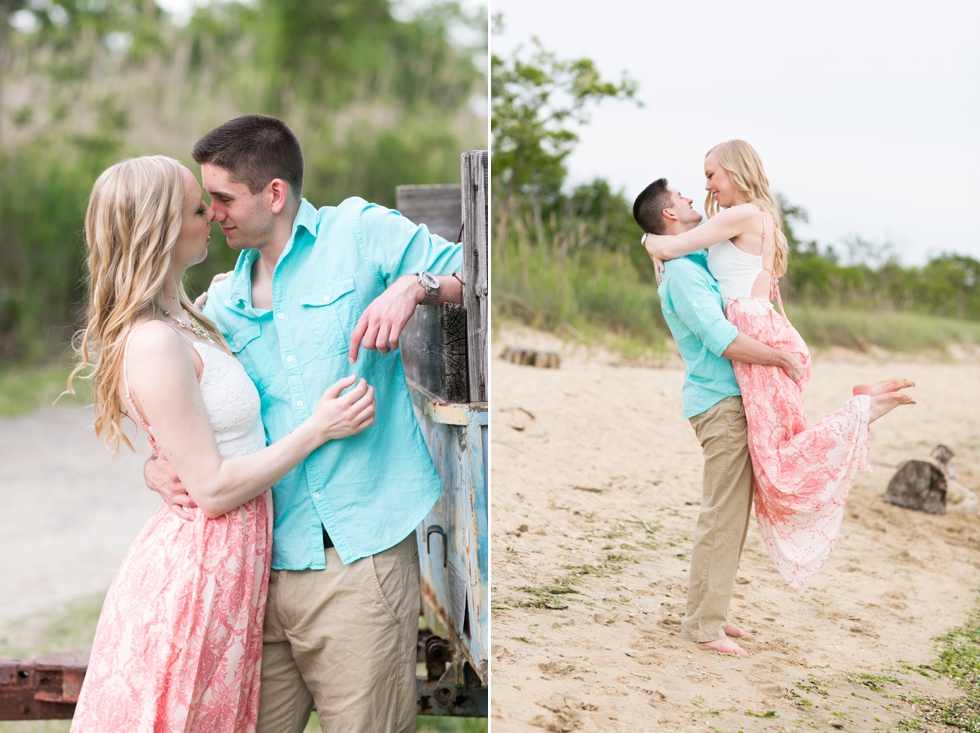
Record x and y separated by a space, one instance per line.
865 113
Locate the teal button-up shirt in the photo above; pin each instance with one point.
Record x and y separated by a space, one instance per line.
692 305
372 489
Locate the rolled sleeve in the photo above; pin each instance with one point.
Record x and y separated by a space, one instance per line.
401 247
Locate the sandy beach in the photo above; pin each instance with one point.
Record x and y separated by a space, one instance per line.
596 483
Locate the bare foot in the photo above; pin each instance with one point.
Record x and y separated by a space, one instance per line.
736 633
882 404
882 387
725 646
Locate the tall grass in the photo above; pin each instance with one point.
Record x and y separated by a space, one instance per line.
596 295
892 330
588 296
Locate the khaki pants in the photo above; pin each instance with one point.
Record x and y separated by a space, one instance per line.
343 640
726 506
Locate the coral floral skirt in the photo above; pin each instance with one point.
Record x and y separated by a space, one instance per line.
179 641
802 473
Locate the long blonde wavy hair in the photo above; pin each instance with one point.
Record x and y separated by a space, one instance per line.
744 167
134 217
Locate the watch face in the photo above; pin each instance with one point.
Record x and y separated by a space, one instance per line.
428 280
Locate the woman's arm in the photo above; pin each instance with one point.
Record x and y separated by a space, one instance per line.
726 224
163 381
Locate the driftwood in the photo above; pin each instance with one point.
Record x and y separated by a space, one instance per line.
927 485
530 357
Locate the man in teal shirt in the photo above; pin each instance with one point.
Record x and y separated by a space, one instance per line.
692 306
310 287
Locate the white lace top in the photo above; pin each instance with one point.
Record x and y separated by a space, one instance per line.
734 269
230 399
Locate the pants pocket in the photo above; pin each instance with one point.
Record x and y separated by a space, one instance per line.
396 579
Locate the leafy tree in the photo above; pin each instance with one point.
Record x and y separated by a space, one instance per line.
536 102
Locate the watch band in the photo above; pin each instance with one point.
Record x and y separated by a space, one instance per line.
431 285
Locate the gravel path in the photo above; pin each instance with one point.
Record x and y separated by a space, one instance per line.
68 512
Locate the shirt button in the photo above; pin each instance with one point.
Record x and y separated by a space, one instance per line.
316 494
299 403
280 316
326 297
289 358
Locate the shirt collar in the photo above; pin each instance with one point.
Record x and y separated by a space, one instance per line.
241 285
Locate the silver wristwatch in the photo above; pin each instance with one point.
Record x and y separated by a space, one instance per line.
428 281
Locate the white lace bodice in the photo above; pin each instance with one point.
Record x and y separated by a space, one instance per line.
734 269
230 400
232 403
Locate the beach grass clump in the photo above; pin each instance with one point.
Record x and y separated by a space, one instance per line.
959 660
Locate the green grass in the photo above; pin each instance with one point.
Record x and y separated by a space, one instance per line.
69 628
890 330
428 724
959 659
586 297
24 389
598 297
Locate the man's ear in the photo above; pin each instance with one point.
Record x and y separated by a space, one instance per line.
669 215
278 190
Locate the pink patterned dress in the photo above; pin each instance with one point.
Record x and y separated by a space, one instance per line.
179 642
802 473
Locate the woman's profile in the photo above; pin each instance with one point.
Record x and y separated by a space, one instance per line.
179 640
802 473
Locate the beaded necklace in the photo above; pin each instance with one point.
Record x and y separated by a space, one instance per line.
194 326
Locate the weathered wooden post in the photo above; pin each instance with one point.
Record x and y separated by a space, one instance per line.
447 377
476 291
434 341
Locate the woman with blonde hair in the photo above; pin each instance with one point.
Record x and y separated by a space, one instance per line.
802 474
179 641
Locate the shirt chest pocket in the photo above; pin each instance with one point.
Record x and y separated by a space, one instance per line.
330 313
252 353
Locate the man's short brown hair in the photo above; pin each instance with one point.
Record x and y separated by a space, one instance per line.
254 149
648 209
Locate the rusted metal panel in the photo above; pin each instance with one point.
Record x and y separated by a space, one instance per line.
473 704
45 689
455 560
48 687
452 687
